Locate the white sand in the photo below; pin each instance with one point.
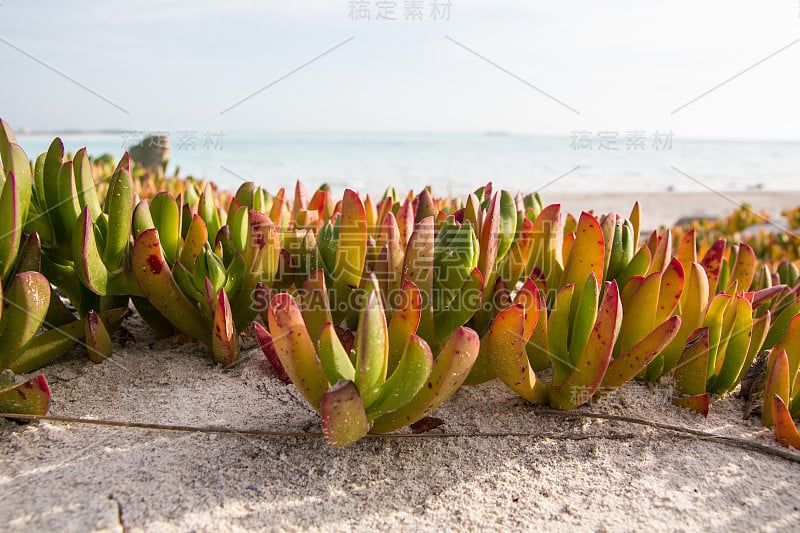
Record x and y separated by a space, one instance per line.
577 474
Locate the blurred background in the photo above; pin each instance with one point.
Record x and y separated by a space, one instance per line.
582 97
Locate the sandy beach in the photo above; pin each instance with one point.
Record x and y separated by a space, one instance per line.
571 473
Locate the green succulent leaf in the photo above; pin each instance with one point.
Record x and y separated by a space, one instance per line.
690 372
98 341
89 265
84 183
406 381
29 398
558 334
224 339
591 366
506 231
371 349
466 303
624 367
48 346
295 349
158 286
119 207
208 211
584 319
344 420
25 306
450 369
167 220
333 357
505 349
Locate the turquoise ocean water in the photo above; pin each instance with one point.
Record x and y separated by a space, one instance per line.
457 163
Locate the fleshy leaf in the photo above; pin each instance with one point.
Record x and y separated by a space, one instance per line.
315 305
264 340
29 398
628 364
12 223
89 265
586 256
584 318
778 383
371 349
697 403
744 268
690 372
408 378
404 322
558 334
548 238
295 349
694 300
418 268
712 263
450 369
25 305
158 286
504 346
352 246
458 312
224 340
333 357
669 296
46 347
119 207
193 244
640 311
730 364
790 342
585 378
785 431
167 219
98 341
343 418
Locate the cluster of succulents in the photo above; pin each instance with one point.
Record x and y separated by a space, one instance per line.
773 241
378 311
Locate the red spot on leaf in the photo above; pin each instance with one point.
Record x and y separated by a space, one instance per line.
154 262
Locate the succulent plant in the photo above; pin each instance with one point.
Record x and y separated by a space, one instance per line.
29 302
379 310
208 291
580 330
388 380
85 246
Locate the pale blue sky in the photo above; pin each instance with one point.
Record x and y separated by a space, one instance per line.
622 64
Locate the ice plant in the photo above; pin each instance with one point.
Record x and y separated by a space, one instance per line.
717 354
25 294
389 379
647 303
783 369
342 248
208 291
85 245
